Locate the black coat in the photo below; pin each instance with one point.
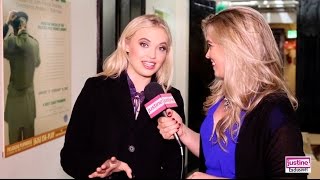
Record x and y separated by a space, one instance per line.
102 125
268 134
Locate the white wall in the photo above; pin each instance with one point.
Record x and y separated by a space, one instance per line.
43 161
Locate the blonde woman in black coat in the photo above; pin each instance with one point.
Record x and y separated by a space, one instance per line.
110 133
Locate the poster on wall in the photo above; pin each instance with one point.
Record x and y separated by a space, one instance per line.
36 78
1 83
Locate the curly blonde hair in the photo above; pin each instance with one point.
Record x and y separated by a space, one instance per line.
253 65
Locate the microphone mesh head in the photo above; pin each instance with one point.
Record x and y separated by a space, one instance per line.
152 90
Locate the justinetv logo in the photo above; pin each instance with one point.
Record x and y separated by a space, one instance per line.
298 164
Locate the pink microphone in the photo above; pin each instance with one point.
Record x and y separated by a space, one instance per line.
160 103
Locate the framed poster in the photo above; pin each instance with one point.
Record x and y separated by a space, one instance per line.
36 72
1 84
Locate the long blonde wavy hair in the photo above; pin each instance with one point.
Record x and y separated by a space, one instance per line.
253 65
118 61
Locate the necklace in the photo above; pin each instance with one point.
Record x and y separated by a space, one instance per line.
226 106
226 103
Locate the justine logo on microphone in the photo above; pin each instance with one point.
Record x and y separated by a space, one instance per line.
160 103
168 100
298 164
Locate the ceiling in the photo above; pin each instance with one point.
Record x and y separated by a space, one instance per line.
263 5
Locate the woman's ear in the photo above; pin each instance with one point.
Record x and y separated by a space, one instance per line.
127 42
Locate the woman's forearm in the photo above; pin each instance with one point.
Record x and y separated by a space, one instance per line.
191 140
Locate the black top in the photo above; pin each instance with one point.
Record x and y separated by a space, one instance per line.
268 134
103 125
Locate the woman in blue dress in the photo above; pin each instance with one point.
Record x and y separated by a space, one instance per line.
250 126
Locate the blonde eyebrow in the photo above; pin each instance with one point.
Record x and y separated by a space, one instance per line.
162 43
144 39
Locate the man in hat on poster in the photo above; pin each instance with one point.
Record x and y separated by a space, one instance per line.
22 52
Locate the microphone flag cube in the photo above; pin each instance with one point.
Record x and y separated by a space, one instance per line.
160 103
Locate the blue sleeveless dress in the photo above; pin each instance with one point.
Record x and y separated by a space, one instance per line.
218 162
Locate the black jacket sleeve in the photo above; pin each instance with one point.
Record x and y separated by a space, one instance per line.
268 134
77 160
286 141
